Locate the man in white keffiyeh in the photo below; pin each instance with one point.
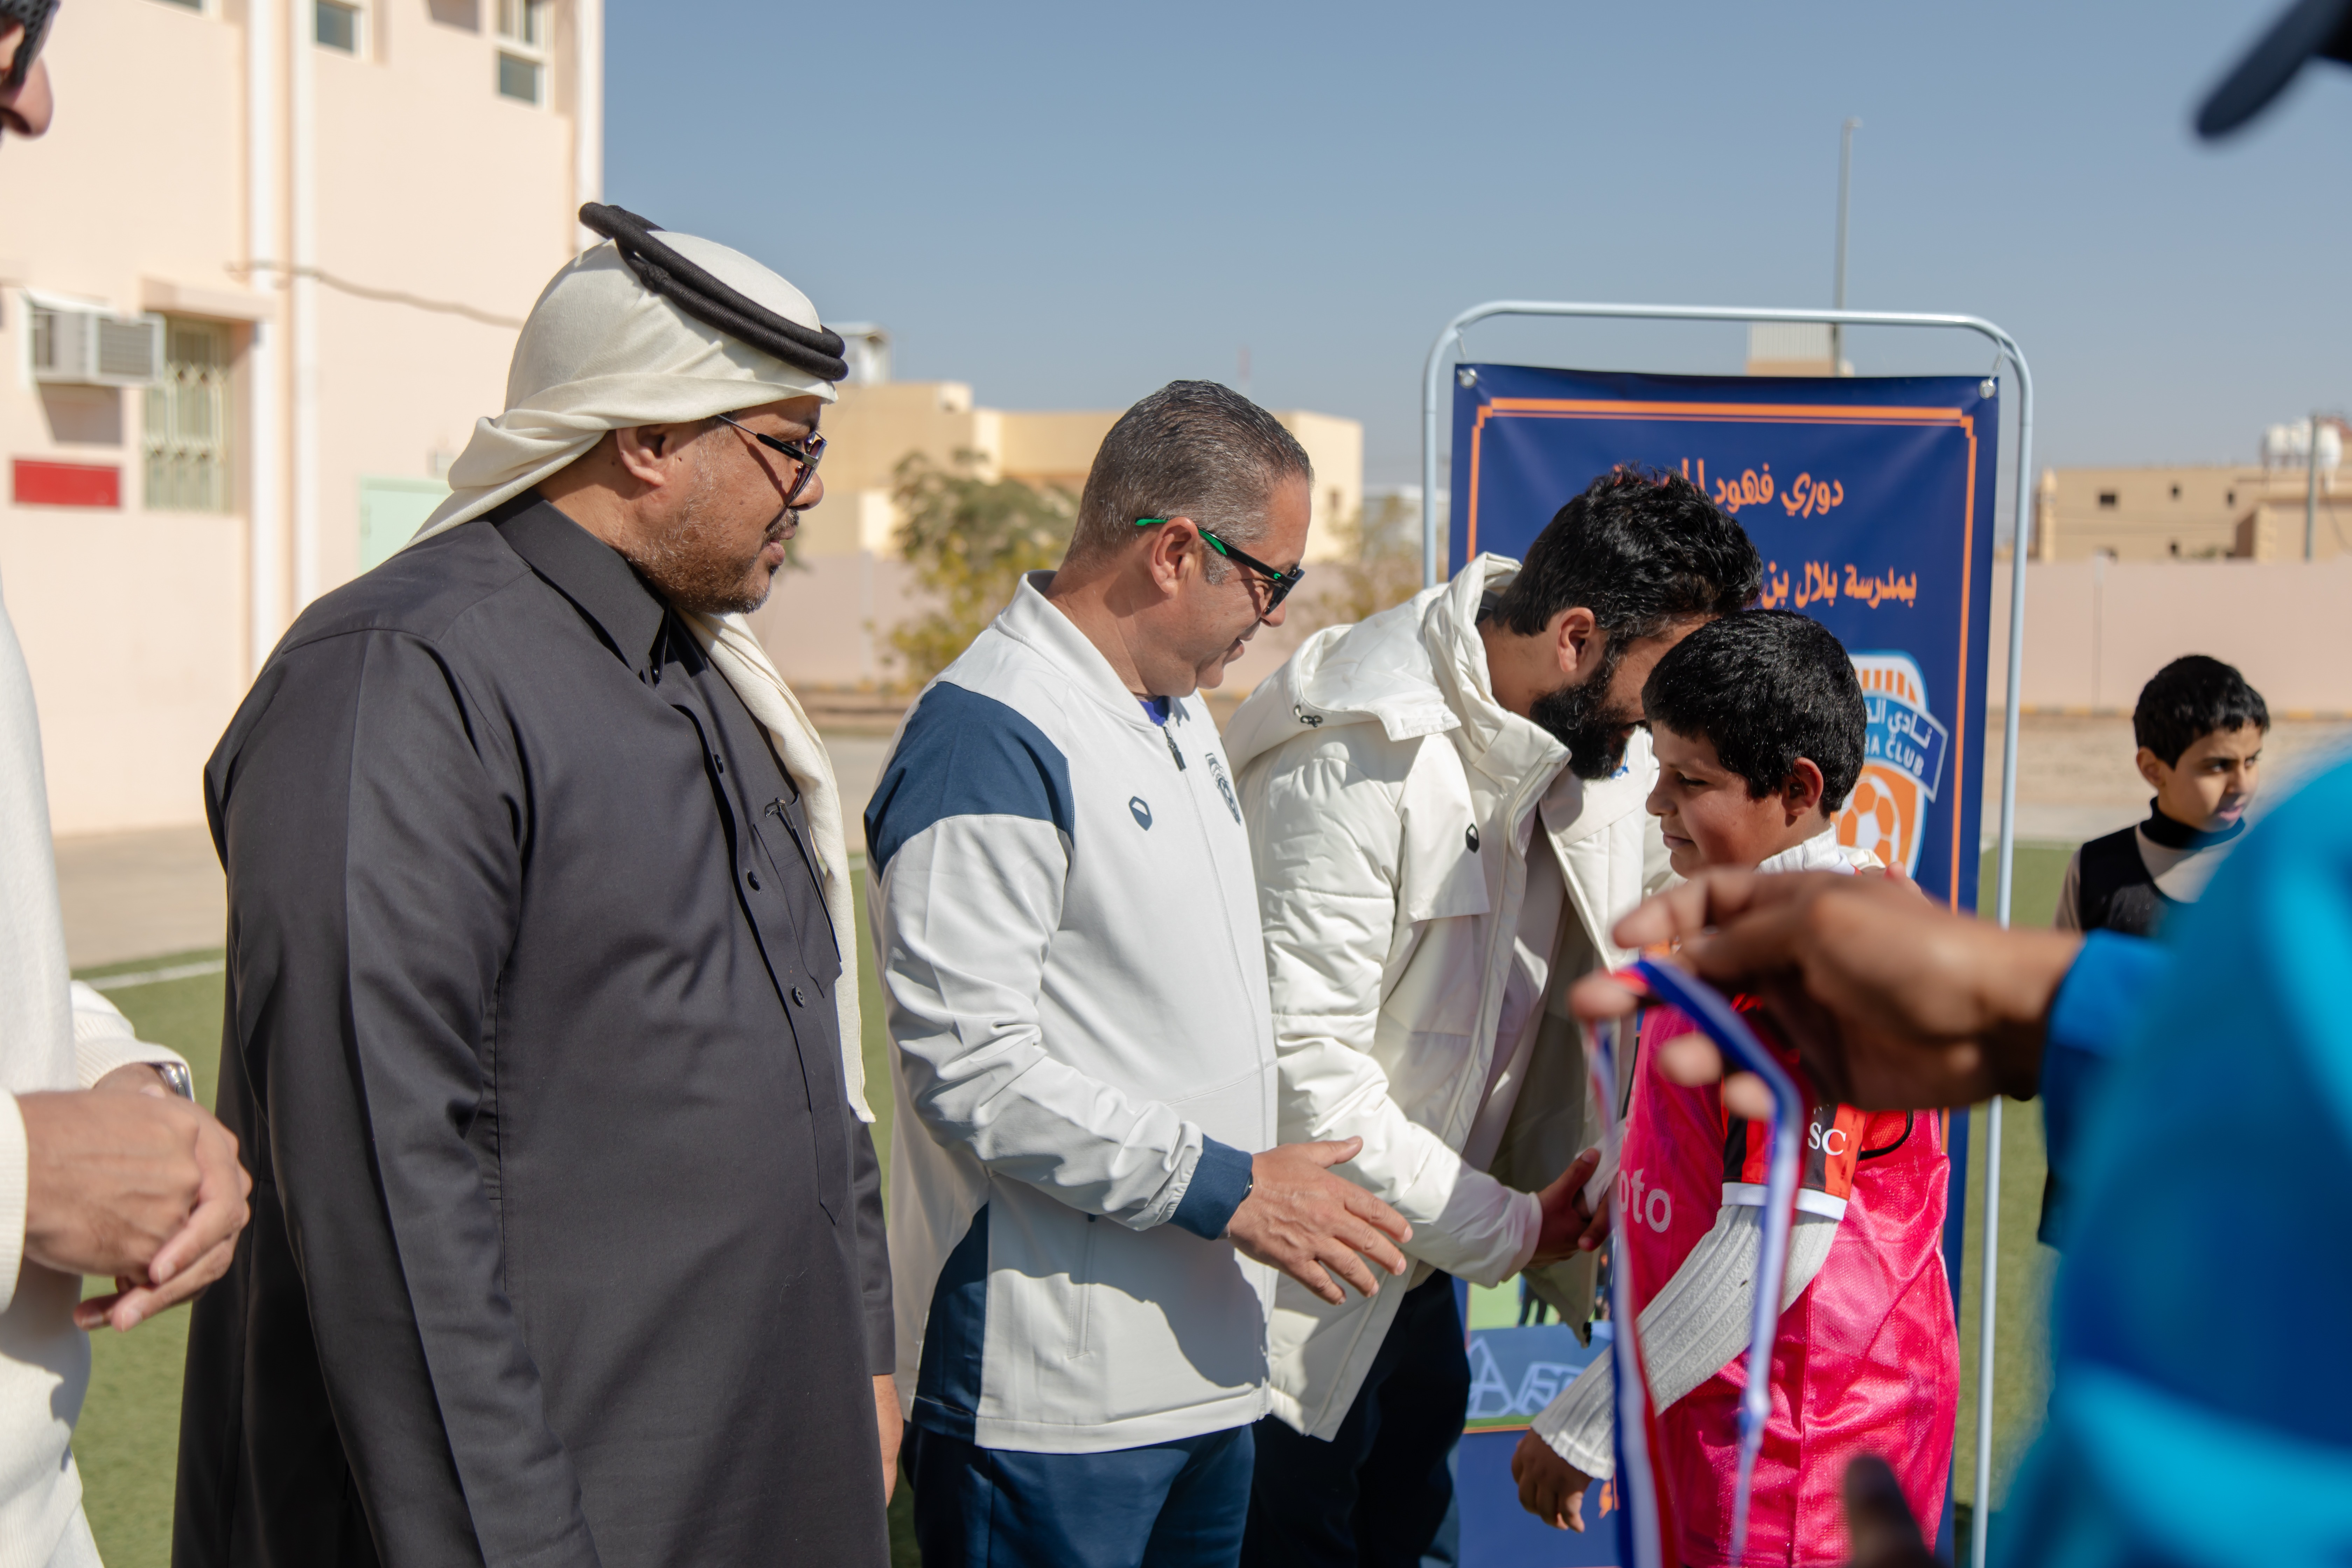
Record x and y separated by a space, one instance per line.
604 364
543 978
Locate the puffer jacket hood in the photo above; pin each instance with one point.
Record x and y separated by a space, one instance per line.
1378 670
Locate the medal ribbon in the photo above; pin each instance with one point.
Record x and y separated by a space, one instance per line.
1705 1006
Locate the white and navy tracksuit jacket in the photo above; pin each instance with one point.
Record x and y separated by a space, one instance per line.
1076 986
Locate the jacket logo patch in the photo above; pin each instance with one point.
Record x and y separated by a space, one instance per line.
1471 838
1142 812
1224 787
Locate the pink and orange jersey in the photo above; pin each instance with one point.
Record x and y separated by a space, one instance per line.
1866 1359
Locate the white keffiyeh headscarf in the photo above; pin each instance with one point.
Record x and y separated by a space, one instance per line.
601 352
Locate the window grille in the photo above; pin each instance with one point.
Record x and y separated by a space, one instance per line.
523 22
523 50
338 25
517 77
187 421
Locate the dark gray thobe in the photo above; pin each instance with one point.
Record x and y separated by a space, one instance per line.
565 1247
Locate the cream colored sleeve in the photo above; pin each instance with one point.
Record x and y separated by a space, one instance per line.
2069 914
1691 1331
1327 844
104 1039
16 1182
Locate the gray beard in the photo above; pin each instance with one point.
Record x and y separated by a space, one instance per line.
689 571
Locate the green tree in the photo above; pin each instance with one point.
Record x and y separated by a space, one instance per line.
1377 564
968 540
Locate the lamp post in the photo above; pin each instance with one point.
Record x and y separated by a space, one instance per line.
2310 496
1837 293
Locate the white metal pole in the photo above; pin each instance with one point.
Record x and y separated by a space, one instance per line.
2311 497
1837 295
587 113
302 293
1981 1515
266 496
1430 373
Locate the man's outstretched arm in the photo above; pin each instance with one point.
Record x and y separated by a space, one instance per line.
1893 1003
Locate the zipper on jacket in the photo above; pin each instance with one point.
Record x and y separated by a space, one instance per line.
1171 748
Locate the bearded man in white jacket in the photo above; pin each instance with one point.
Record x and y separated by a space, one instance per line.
1445 808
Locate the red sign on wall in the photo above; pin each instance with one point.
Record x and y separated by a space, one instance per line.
68 484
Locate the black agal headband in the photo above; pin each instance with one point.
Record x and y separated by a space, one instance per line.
33 16
667 273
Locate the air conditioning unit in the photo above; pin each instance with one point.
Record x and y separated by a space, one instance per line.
89 348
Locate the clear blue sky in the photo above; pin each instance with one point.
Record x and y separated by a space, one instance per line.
1069 204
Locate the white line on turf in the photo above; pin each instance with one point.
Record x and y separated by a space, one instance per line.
156 977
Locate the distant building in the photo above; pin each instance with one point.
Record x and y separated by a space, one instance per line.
259 280
1793 347
2242 512
879 423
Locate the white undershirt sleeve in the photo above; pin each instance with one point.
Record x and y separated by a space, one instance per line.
2069 914
1692 1329
104 1039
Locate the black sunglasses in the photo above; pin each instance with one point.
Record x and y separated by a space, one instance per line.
1278 584
808 453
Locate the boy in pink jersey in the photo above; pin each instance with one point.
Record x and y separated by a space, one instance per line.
1759 726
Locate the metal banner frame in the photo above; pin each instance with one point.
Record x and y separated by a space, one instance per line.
2005 348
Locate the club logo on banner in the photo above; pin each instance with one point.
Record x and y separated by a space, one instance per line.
1871 501
1903 764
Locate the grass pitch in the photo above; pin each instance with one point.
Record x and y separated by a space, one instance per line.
127 1441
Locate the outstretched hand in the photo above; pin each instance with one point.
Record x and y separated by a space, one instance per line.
1550 1486
1893 1003
1304 1220
1570 1224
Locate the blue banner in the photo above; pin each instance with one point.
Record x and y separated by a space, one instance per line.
1872 504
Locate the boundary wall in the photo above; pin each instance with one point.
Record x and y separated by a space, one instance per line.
2096 630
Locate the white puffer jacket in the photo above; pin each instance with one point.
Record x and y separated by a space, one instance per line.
1392 807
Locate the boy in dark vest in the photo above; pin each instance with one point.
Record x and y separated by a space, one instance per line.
2199 728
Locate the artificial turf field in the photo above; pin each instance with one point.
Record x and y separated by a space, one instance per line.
128 1439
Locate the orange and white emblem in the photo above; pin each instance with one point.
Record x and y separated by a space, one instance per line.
1903 765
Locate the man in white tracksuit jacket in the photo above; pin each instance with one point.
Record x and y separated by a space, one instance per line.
1085 1192
1446 807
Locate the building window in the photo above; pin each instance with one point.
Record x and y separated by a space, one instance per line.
187 420
338 25
523 50
2108 500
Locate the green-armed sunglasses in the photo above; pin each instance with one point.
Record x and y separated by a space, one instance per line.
1278 584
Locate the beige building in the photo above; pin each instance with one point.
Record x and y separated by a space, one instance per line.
256 285
826 624
2246 512
876 426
